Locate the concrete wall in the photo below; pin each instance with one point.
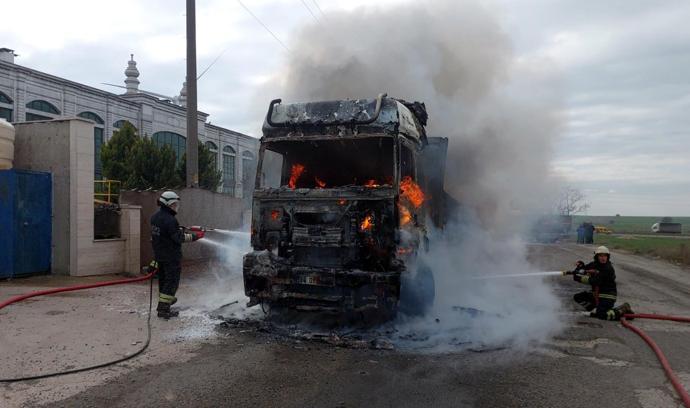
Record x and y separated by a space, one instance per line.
45 146
197 207
65 148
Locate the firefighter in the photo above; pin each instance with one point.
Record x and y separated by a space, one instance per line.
600 301
167 237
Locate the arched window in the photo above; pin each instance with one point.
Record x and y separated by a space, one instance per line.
91 116
41 106
97 141
228 170
120 123
214 152
177 142
248 173
5 107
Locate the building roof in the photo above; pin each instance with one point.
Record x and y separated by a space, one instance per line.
132 99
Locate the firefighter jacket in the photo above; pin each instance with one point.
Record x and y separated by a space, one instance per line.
166 236
603 281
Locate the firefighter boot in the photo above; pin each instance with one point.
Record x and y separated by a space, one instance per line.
624 309
165 312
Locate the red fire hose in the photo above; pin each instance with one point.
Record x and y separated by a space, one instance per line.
659 354
19 298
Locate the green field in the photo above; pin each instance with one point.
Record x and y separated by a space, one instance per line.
672 249
628 225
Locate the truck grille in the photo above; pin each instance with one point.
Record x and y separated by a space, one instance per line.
317 236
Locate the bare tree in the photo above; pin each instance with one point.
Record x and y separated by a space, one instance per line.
572 201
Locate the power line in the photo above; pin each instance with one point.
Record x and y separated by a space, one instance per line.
309 10
211 64
264 25
319 8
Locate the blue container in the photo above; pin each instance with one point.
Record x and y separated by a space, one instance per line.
25 222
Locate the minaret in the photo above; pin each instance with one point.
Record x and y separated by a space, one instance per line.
183 95
132 73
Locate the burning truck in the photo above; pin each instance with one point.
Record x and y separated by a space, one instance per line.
344 192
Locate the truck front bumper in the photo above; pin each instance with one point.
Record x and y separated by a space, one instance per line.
271 279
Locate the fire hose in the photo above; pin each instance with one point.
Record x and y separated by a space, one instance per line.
19 298
659 354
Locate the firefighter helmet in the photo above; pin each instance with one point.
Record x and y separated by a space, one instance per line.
602 250
168 198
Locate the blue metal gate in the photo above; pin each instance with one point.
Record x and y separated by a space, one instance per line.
25 222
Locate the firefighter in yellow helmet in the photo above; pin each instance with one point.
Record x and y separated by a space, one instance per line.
601 299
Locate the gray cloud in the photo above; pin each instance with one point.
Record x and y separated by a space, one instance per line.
623 65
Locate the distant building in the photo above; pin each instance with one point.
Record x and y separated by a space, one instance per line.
29 95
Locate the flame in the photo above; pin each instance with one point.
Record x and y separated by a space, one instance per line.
405 215
367 223
411 191
319 183
295 173
275 214
342 202
404 251
371 183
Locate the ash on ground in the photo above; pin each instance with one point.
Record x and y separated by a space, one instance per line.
299 328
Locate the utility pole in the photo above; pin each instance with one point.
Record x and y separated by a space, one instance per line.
192 122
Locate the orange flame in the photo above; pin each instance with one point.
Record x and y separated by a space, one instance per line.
342 202
371 183
295 173
275 214
319 183
404 251
367 223
411 191
405 215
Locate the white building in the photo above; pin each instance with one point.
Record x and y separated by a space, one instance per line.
27 94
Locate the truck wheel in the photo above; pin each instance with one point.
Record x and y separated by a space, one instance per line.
417 293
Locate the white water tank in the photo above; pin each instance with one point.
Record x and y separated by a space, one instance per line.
6 145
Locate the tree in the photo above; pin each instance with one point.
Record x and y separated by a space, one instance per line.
572 201
209 176
151 166
116 152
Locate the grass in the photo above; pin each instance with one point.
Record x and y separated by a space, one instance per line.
628 225
673 249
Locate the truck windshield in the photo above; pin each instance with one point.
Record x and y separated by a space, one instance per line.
328 163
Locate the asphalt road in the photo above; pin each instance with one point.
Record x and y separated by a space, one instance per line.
590 363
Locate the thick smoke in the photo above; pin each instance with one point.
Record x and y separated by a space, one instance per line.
500 116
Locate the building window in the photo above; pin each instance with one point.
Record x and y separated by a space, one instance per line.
229 170
32 116
120 123
248 173
43 106
91 116
214 151
177 142
5 107
97 141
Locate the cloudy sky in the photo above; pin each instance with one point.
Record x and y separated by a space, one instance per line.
621 67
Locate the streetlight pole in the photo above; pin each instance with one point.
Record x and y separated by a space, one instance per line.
192 121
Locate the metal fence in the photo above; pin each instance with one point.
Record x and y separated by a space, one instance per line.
107 191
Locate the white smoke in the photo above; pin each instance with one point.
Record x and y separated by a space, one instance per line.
220 289
500 114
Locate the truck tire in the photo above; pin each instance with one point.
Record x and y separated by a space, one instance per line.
417 293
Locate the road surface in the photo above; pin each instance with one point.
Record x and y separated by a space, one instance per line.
193 364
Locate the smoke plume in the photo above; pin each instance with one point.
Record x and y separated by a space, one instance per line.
500 114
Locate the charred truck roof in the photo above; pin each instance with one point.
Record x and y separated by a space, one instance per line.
382 115
342 193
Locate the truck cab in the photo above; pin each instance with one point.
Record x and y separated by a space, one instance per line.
341 203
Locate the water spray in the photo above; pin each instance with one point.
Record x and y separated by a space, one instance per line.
521 275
